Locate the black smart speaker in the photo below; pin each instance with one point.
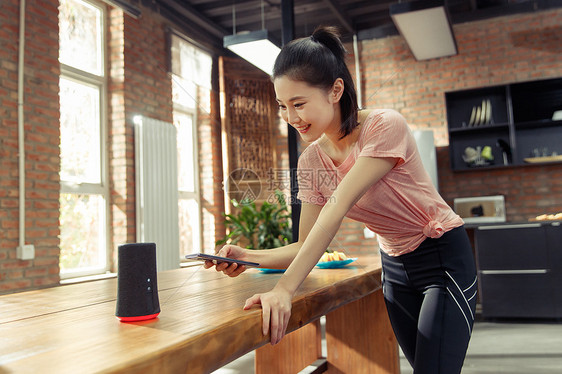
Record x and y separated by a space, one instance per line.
137 290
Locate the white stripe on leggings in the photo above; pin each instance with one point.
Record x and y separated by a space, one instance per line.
464 315
462 293
468 288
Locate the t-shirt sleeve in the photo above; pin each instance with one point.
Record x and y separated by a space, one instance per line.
385 135
308 191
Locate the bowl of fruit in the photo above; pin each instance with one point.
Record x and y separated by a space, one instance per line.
334 260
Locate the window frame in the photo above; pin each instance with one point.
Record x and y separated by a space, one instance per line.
102 189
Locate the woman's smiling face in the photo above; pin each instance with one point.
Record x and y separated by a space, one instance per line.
310 110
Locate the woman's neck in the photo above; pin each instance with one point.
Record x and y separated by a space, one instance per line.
338 149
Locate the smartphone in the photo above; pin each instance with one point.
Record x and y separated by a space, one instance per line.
217 259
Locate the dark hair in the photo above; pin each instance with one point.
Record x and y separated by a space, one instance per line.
319 60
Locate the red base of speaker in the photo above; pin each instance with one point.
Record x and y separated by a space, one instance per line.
138 318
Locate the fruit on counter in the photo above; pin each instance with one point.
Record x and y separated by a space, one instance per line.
549 217
333 256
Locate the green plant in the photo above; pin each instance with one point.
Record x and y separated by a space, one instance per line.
263 228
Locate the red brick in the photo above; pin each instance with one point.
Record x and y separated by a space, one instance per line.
138 85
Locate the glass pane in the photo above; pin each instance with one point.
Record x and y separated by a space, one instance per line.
191 63
186 172
189 227
80 34
192 69
176 57
203 66
80 132
82 234
184 92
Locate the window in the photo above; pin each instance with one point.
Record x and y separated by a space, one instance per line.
84 191
191 76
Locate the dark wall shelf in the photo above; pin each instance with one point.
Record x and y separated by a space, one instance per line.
474 130
514 120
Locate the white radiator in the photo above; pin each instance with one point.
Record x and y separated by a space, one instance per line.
157 189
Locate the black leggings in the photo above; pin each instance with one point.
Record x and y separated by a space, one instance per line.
430 297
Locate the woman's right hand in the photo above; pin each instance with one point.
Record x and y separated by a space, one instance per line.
233 269
276 311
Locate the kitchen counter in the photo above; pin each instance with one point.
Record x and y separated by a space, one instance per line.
472 226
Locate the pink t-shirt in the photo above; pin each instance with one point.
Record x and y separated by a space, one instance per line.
403 208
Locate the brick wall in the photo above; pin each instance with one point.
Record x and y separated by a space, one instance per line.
120 140
41 113
512 48
210 167
521 47
139 85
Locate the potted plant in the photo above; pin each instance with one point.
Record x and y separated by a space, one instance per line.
268 226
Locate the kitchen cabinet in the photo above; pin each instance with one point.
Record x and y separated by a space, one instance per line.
554 243
520 270
516 122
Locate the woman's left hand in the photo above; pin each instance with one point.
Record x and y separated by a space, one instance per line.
276 311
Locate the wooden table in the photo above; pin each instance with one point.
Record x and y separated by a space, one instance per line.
202 326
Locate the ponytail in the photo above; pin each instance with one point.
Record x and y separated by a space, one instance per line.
330 38
319 60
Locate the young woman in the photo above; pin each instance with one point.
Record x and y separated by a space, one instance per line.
429 276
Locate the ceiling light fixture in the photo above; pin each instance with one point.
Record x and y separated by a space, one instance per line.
256 47
426 26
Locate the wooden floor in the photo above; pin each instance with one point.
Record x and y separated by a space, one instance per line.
496 347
